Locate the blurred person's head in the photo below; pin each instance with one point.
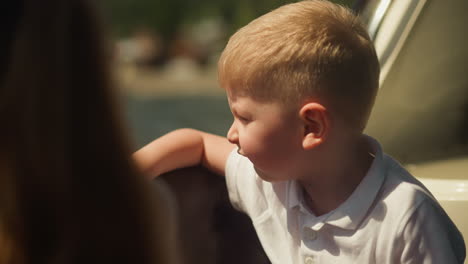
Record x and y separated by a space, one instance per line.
69 192
310 50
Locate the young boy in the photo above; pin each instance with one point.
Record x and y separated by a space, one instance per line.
301 81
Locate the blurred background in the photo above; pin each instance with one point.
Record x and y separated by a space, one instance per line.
166 55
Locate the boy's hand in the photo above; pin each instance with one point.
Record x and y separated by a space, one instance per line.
184 148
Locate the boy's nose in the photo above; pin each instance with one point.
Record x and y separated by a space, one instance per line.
232 135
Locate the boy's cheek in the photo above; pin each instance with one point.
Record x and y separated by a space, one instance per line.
252 148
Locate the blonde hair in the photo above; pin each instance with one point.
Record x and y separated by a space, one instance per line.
304 50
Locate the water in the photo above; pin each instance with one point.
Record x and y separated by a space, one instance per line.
151 117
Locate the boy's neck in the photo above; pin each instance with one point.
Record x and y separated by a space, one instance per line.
336 182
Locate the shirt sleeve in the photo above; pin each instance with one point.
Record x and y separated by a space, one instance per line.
429 236
233 168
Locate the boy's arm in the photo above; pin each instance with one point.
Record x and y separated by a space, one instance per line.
184 148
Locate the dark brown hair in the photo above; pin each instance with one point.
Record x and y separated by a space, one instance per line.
69 191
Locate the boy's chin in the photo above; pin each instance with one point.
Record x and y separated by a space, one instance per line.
264 176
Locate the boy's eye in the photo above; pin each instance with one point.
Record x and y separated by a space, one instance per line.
243 119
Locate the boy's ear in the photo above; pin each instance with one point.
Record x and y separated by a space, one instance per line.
316 124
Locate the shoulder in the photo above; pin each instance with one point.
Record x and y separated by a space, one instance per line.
403 196
421 228
402 189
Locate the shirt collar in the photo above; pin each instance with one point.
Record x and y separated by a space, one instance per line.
350 213
294 193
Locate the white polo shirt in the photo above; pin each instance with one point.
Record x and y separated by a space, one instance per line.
389 218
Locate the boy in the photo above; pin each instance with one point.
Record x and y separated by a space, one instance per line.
301 81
